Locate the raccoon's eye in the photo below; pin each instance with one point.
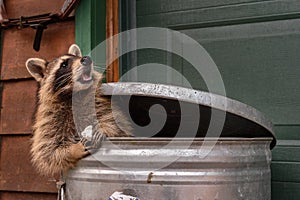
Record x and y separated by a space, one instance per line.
64 64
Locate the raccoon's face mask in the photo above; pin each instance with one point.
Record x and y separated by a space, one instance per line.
68 73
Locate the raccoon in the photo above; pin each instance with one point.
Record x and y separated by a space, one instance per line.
69 101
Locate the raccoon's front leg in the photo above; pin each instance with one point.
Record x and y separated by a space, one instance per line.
62 158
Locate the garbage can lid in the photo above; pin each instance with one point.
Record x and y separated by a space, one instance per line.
235 118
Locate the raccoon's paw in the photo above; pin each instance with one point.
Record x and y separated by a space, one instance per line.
92 141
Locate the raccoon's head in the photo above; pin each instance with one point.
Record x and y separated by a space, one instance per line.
64 75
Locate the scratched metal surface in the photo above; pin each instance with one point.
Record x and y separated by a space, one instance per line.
241 120
175 169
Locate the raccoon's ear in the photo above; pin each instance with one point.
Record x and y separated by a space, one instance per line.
36 68
75 50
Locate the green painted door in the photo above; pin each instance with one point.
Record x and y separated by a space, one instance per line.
256 46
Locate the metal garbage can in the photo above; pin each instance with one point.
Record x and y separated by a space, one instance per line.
234 165
235 169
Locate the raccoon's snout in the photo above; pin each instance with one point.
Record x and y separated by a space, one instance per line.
86 61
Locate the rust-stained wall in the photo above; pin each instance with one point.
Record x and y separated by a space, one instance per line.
18 179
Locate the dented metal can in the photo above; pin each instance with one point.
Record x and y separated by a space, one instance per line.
175 169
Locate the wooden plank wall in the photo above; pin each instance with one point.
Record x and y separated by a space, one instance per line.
18 179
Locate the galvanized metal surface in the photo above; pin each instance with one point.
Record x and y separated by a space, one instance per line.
235 168
241 120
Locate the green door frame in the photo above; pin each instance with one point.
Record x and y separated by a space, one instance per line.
90 20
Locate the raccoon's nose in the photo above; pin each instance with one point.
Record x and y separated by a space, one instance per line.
86 61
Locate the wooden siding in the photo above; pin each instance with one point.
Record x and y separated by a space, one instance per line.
18 178
255 44
17 173
16 42
26 196
18 105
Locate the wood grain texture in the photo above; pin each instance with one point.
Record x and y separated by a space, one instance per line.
112 23
17 47
15 8
116 41
17 173
109 43
27 196
18 178
18 106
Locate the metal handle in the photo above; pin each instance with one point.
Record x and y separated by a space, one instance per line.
38 37
61 190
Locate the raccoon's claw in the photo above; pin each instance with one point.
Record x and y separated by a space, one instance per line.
77 139
85 142
97 139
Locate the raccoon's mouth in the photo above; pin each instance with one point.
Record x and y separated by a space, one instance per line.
86 76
